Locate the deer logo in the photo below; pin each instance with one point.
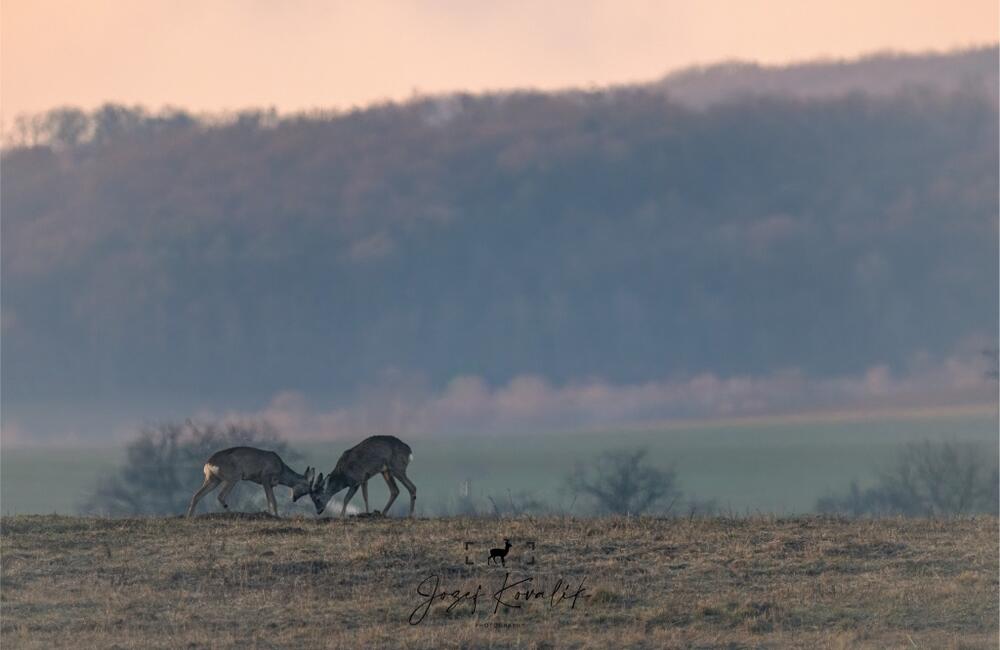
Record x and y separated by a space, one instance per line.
500 553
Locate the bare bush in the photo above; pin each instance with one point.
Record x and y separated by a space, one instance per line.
623 482
163 468
927 479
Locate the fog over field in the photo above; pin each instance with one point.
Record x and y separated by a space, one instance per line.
726 242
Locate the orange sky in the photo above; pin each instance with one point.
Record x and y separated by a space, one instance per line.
295 54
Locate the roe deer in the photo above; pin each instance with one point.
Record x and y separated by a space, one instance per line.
500 553
230 466
385 455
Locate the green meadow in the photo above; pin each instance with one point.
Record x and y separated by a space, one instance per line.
747 468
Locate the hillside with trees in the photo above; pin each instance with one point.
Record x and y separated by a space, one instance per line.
618 233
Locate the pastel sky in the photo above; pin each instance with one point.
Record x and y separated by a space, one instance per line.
299 54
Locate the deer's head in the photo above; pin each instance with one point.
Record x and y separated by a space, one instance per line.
323 489
304 486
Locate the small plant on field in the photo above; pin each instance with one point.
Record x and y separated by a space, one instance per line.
511 504
623 482
163 468
927 479
515 505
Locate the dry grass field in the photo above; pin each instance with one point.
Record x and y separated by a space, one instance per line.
252 581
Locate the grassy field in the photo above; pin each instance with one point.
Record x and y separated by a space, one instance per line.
252 581
751 467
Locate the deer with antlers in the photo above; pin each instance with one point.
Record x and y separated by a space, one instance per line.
385 455
230 466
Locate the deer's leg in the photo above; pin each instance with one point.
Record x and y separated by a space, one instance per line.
210 484
347 497
393 491
364 493
227 487
401 475
269 491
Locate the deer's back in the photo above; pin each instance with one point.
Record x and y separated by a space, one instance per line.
246 463
374 454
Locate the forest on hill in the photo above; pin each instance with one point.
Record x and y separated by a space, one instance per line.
617 233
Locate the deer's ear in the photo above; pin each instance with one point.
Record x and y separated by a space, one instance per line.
319 481
310 472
